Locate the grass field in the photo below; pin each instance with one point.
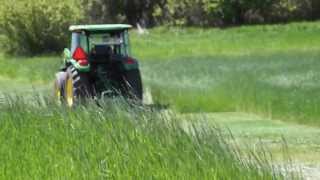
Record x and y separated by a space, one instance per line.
43 141
269 71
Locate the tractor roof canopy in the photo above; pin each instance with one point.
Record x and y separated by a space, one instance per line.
100 27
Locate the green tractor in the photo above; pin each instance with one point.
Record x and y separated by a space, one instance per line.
98 64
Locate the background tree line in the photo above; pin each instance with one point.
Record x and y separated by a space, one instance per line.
202 12
38 26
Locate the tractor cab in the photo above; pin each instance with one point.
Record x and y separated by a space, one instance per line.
101 38
100 42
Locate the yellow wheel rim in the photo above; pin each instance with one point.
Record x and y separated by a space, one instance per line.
57 92
69 92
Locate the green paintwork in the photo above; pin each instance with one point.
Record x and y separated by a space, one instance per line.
66 54
79 67
101 27
130 67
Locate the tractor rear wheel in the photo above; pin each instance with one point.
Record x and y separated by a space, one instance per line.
133 85
77 87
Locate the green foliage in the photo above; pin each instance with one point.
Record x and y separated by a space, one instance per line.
203 12
122 11
235 12
37 26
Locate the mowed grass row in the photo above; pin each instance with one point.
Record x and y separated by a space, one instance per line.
280 86
43 141
35 70
271 70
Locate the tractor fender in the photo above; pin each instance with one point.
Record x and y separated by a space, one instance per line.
126 63
78 67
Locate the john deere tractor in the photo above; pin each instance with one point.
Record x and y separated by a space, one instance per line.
98 64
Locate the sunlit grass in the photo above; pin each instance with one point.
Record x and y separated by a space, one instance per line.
282 85
43 141
268 70
271 70
171 43
31 69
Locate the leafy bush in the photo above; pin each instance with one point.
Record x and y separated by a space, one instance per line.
37 26
237 12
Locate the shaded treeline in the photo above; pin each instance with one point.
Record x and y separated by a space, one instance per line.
201 12
41 26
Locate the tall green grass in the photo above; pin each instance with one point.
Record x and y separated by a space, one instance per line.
40 140
167 43
282 85
39 69
271 70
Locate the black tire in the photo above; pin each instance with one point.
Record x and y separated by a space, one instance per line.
79 85
133 85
